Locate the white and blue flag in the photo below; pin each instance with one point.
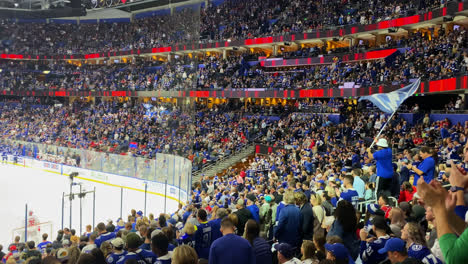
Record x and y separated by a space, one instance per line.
389 102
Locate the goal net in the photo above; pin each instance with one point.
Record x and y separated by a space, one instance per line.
34 232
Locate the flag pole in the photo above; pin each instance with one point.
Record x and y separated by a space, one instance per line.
382 129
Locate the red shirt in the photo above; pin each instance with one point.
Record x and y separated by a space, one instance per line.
406 196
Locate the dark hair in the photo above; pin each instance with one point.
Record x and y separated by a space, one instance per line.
320 240
110 228
45 236
202 214
385 198
162 221
160 242
50 260
345 214
252 230
101 226
92 237
86 258
227 222
349 178
73 232
432 152
97 253
30 244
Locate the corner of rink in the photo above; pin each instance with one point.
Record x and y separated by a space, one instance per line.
46 195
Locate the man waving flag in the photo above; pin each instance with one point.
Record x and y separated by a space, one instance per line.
389 102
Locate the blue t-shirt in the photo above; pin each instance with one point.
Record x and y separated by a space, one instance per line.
427 166
104 237
384 163
42 246
231 249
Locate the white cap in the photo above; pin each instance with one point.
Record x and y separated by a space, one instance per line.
382 143
118 242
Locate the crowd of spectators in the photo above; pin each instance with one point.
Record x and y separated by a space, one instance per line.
228 20
203 135
427 56
316 196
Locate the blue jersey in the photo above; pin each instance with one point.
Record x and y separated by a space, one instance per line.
423 254
142 256
114 257
350 195
104 237
187 240
42 246
166 259
203 240
370 251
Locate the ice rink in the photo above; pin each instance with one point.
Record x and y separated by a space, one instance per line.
42 191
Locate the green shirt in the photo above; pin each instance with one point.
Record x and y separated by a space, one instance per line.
455 248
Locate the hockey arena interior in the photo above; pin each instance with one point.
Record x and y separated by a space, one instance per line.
234 131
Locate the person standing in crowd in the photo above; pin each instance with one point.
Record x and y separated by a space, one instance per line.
338 253
91 244
383 157
184 254
103 234
285 253
117 251
426 168
414 236
41 246
358 183
397 253
216 224
307 215
349 194
133 252
370 245
159 245
308 252
203 235
289 227
252 207
344 226
261 248
243 215
230 249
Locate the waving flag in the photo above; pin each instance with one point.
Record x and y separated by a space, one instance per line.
389 102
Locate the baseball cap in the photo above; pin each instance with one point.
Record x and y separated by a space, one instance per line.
393 244
339 251
118 242
382 143
62 254
285 249
140 213
133 240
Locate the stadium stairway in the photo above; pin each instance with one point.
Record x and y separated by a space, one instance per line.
223 164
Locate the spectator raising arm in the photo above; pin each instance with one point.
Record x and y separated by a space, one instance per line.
434 195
